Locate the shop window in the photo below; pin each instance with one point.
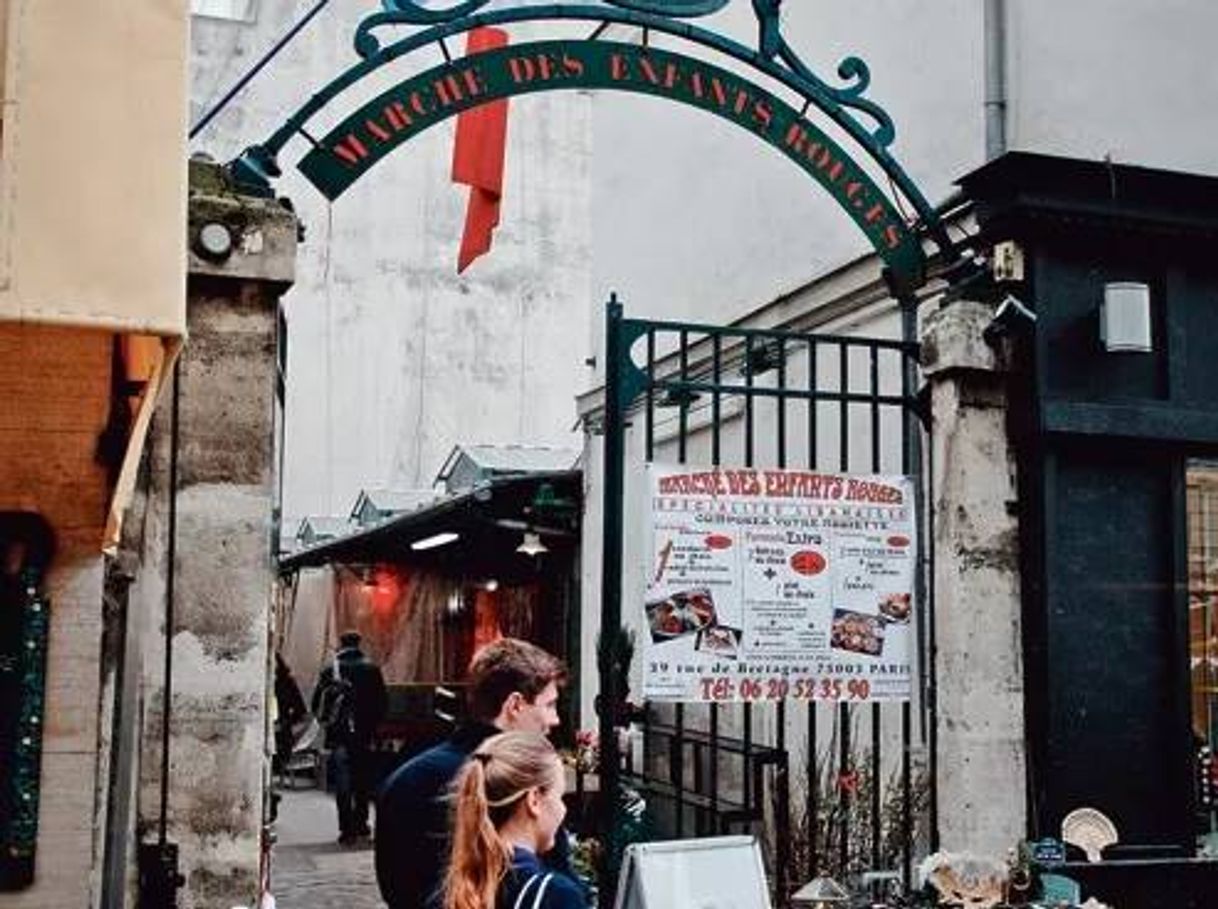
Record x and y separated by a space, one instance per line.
232 10
1202 485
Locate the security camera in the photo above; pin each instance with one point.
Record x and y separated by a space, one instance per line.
1010 318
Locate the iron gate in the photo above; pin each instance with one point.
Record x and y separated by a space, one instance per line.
831 787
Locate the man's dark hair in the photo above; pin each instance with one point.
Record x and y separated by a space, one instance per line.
349 638
509 665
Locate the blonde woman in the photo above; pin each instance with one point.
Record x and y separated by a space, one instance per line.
508 809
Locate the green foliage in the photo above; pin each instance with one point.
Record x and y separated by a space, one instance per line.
615 650
843 807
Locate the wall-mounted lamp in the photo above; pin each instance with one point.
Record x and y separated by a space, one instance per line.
1125 318
820 893
214 241
762 357
531 545
439 539
677 397
1011 319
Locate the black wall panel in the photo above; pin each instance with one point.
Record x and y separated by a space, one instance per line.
1113 671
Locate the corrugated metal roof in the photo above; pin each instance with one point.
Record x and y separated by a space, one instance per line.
503 497
326 524
521 458
391 502
397 500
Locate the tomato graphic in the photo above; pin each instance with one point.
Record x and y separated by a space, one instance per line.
718 541
898 542
808 562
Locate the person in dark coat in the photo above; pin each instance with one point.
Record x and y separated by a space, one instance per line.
512 686
349 702
509 809
289 710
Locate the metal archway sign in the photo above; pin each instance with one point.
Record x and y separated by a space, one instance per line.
370 133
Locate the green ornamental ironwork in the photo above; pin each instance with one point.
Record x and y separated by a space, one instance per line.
23 676
339 158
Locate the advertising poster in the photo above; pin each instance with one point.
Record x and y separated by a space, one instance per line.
778 584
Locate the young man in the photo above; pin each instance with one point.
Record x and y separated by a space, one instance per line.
513 687
349 701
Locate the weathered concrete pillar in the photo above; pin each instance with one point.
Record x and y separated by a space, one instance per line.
221 568
978 661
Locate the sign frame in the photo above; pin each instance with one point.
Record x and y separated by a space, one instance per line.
779 584
635 880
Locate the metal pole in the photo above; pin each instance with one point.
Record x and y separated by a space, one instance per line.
171 551
995 25
159 878
911 463
919 461
611 595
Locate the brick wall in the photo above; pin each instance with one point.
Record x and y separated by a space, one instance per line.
55 384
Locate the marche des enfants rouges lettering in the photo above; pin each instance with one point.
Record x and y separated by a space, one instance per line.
412 106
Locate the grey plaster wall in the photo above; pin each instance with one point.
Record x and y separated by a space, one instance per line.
1131 80
720 224
393 358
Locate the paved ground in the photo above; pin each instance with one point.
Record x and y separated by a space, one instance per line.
309 869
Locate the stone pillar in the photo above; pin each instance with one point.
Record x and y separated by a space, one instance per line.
982 766
222 568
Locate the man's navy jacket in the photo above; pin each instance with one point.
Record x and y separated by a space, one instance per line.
412 821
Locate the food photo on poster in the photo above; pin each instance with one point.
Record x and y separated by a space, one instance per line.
778 584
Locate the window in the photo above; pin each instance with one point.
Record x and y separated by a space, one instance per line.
233 10
1202 486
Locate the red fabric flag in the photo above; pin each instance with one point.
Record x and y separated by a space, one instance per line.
478 155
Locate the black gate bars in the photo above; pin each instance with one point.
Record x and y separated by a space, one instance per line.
747 397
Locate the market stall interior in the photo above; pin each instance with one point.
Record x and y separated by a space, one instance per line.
429 586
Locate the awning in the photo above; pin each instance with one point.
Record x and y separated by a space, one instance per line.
489 522
147 363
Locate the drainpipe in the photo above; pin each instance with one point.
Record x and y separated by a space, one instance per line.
995 24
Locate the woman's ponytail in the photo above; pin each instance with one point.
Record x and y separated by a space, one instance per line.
488 792
479 857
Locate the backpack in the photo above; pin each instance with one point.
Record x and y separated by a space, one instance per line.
540 892
336 707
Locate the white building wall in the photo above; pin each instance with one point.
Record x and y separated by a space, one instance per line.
1134 80
393 358
695 219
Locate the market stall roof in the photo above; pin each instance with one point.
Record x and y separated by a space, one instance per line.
374 505
488 521
468 465
316 528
